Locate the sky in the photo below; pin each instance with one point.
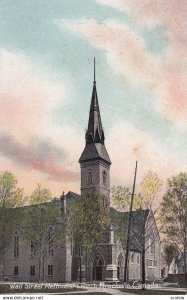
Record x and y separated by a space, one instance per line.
46 78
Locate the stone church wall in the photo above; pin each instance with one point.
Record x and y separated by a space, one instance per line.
61 262
134 265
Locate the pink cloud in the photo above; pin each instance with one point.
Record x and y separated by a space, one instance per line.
128 56
172 15
39 155
125 50
30 142
27 93
173 94
150 12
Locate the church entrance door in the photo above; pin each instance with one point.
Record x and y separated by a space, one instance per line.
98 273
98 269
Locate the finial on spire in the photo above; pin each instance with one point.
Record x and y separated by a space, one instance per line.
94 71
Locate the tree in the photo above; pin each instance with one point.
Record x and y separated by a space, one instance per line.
120 198
170 254
86 222
149 191
40 195
174 213
119 220
43 231
145 200
11 197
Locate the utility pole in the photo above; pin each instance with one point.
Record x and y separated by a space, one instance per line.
129 226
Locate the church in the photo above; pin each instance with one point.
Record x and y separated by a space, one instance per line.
107 262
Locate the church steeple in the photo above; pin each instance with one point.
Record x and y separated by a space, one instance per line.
95 148
95 161
94 133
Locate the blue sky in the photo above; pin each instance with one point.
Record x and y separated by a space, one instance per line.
51 44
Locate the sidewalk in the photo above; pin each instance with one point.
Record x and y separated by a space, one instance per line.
116 291
174 289
97 288
100 290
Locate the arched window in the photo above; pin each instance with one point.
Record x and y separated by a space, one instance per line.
98 261
90 177
152 246
120 260
104 177
33 249
50 249
16 246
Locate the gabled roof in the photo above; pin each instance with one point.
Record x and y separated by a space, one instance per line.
138 219
71 195
95 151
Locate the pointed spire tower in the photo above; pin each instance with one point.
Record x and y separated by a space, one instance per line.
94 132
95 162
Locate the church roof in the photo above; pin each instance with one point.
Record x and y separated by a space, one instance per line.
71 195
138 219
95 151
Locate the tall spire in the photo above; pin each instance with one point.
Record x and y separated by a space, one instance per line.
94 133
94 72
95 147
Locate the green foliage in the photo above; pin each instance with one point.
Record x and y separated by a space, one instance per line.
40 195
148 192
138 202
43 226
174 209
120 228
10 195
87 220
144 199
8 223
39 220
170 253
149 189
174 213
120 198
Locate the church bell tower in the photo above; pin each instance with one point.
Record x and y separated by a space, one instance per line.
94 161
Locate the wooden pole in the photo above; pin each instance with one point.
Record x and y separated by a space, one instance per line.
129 226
